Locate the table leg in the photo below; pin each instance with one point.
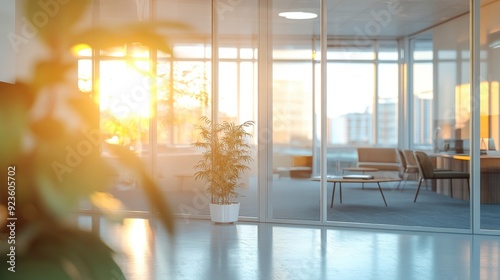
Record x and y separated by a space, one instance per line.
333 194
340 188
382 193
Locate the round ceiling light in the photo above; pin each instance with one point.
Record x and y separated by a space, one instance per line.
298 15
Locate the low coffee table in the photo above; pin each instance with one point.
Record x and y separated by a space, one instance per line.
359 169
340 180
363 170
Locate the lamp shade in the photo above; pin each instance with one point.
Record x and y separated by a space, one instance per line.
298 15
301 9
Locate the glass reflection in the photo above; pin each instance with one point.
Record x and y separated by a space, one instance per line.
363 107
267 251
132 240
489 137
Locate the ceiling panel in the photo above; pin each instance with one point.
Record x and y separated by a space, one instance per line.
345 17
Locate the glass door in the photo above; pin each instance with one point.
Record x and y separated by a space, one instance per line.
293 195
439 111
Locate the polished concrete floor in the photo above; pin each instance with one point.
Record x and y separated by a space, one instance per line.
201 249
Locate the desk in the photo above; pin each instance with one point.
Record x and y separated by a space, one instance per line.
340 180
490 176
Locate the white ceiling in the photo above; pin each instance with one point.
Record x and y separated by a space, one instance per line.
377 18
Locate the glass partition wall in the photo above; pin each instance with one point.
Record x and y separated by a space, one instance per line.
489 117
458 128
378 87
438 65
121 80
362 110
186 93
292 194
151 101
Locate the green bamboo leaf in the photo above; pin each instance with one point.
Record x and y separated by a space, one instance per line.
67 169
102 39
48 128
15 100
127 157
86 108
62 253
151 35
50 72
54 20
99 38
160 206
130 160
110 206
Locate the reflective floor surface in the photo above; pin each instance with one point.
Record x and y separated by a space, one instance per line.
201 249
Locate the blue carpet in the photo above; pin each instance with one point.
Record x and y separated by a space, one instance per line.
299 200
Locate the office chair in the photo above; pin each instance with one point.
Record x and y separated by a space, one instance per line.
410 165
427 171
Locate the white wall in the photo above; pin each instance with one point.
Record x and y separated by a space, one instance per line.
28 47
7 54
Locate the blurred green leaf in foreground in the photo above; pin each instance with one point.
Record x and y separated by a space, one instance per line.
50 137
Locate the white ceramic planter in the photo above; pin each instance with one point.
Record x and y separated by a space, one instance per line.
225 213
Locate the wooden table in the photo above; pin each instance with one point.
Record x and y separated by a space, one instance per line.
340 180
489 176
359 169
363 170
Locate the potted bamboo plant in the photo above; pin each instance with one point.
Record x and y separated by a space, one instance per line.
225 157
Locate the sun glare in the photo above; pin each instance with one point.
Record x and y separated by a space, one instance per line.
82 50
124 91
137 247
122 88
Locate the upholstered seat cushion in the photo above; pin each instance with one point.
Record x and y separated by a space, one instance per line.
385 159
450 174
